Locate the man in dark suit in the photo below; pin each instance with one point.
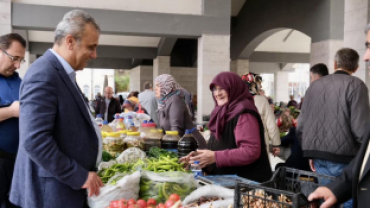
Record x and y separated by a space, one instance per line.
108 106
354 182
60 144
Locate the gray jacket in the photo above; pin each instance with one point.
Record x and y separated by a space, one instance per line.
333 118
175 117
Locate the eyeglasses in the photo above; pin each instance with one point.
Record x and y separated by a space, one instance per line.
218 89
14 58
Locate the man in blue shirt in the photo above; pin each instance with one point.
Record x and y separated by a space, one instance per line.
12 51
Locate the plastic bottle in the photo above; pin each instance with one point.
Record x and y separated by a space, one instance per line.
196 169
120 126
114 122
99 120
106 127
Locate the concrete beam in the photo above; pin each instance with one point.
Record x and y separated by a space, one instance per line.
136 62
110 63
280 57
165 46
42 17
105 51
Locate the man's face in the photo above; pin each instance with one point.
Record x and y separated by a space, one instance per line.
108 93
7 66
86 49
367 52
314 77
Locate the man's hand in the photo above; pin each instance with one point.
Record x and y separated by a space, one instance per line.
275 151
14 109
323 193
312 166
93 184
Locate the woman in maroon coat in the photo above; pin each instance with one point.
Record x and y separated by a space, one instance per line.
237 144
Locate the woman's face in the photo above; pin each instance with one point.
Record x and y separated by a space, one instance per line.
157 91
220 95
129 108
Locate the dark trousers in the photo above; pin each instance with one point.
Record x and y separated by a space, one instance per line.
6 175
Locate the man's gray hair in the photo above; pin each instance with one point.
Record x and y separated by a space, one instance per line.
73 23
347 58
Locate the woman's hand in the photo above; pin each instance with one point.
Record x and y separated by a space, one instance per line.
205 157
186 159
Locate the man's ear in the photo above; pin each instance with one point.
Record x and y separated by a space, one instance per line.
70 42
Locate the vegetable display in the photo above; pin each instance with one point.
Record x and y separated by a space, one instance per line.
157 152
106 156
107 174
163 164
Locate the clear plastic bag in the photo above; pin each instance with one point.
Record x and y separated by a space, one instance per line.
211 191
126 187
131 155
160 186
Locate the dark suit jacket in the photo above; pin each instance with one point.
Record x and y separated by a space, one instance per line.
58 143
349 185
113 108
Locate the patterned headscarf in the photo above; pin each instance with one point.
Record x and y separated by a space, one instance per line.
168 87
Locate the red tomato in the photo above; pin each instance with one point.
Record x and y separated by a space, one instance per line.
169 203
113 204
151 202
174 197
131 202
161 205
141 203
122 205
131 206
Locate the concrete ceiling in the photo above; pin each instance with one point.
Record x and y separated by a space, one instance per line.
111 40
236 6
290 41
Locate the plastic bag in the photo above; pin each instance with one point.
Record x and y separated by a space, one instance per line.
127 188
209 191
160 186
218 204
131 155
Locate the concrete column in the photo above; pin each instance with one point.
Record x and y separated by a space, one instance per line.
324 52
240 66
30 58
356 17
161 65
281 86
213 58
5 17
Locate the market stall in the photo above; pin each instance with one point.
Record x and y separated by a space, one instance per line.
140 169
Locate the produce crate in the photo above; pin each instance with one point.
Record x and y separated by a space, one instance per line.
288 188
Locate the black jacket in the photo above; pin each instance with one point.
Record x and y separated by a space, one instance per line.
333 118
349 185
113 108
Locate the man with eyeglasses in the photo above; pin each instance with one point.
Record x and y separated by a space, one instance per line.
12 50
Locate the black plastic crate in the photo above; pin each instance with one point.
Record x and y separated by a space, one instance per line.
288 188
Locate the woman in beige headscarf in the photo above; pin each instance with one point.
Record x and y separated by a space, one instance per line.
173 113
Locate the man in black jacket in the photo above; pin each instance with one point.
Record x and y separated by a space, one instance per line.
354 182
108 106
